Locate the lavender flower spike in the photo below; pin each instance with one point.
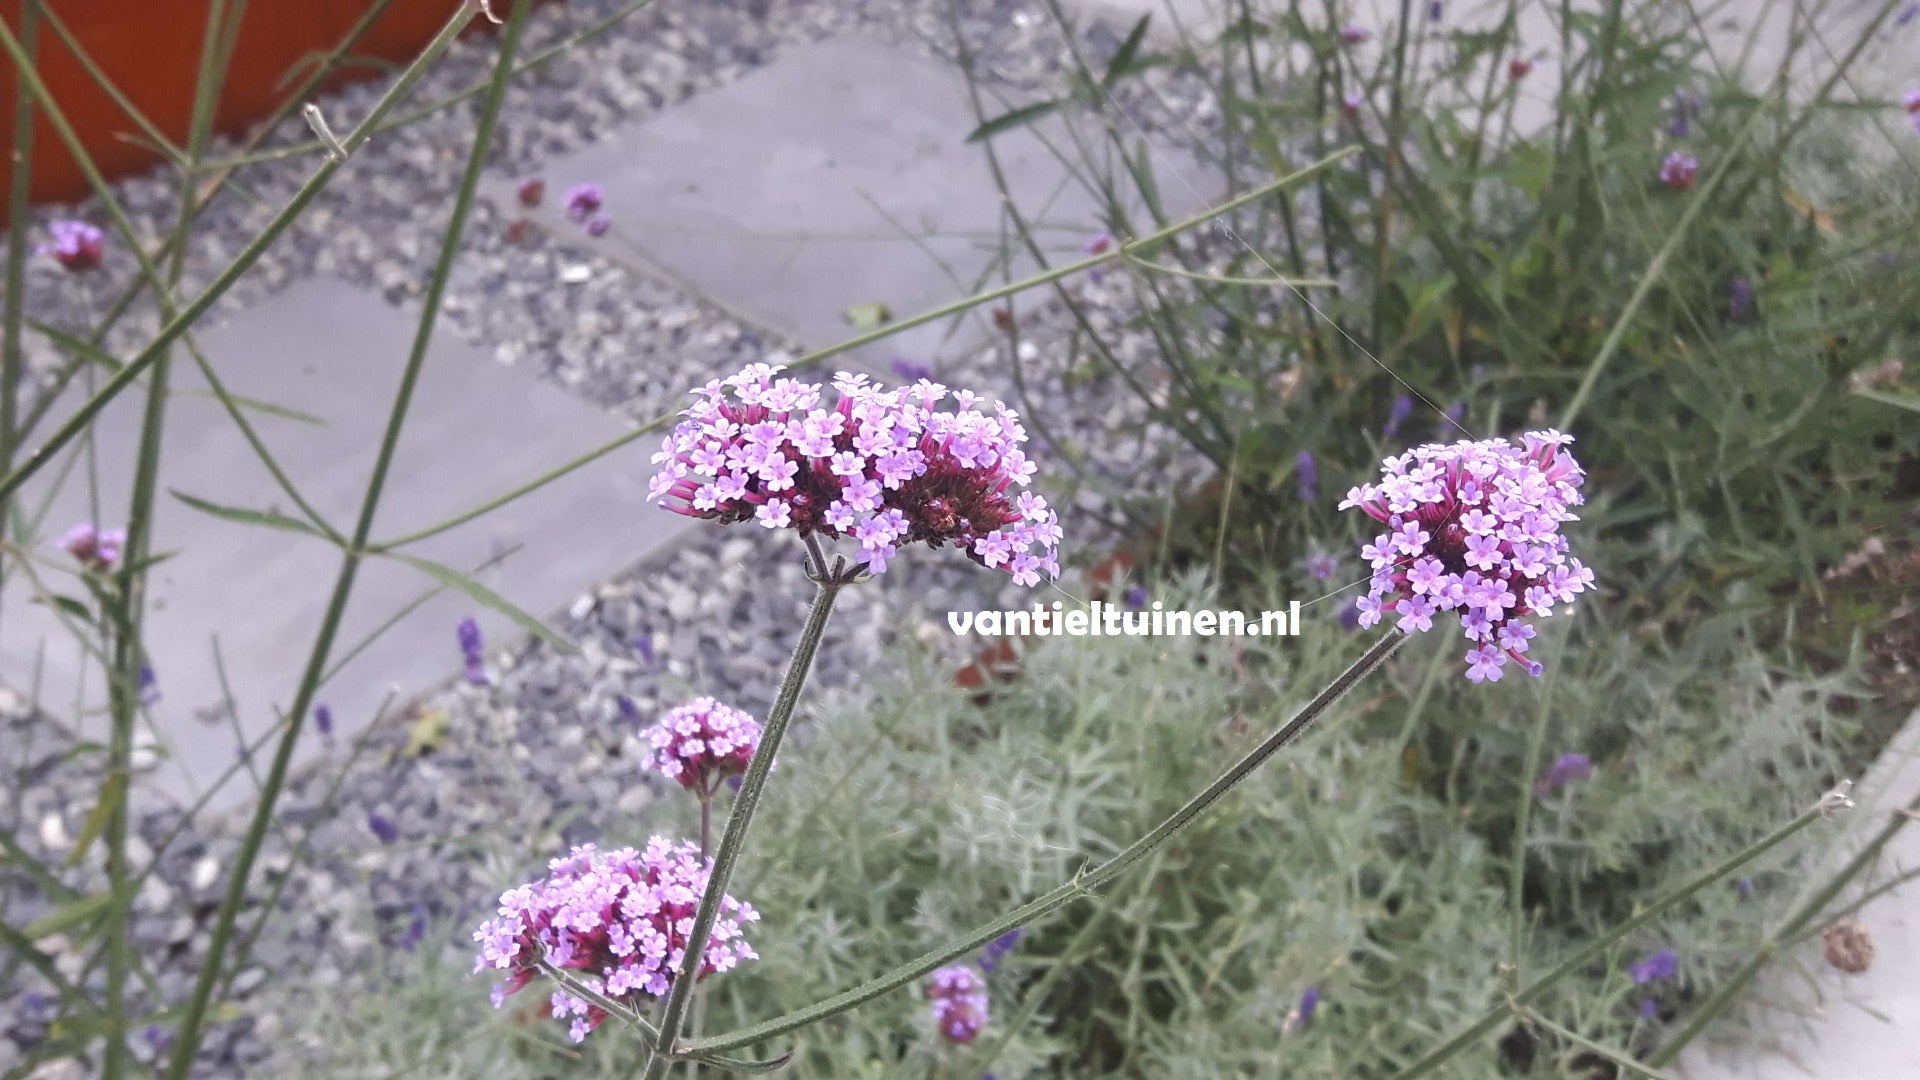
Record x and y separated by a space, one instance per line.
884 468
1309 473
1664 964
1474 529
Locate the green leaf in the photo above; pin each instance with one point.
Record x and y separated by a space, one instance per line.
454 579
248 517
1122 62
67 604
66 918
81 347
746 1065
1898 402
1020 117
256 405
869 316
110 795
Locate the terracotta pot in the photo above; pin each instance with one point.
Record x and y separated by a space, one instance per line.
151 50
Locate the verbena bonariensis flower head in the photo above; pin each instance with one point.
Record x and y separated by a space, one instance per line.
1474 528
1679 170
583 200
959 1003
76 245
1355 34
882 467
701 742
617 921
96 547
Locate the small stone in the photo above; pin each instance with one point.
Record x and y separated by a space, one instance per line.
53 833
206 871
576 274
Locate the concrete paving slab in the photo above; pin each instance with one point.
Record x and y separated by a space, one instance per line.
837 176
477 429
1830 1024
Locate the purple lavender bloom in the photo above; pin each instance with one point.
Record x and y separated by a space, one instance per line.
999 947
323 720
911 371
1136 597
157 1037
1456 417
416 928
1686 106
628 710
1739 298
583 201
1906 14
1435 10
1350 616
1309 473
385 830
1664 964
598 224
1322 565
1649 1008
1402 409
644 646
148 686
734 782
1309 1001
468 633
1565 770
1744 887
476 673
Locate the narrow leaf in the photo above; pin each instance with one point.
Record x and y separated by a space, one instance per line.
256 405
746 1065
454 579
66 918
1020 117
67 604
248 517
110 795
1122 61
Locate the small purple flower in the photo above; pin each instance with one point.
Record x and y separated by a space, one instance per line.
598 224
1099 244
147 686
998 948
1744 887
1355 34
1322 565
77 246
157 1038
1435 10
95 547
1309 473
386 831
323 721
531 191
1910 100
1664 964
1309 1001
1649 1008
1397 415
583 201
628 710
472 648
1678 170
1739 298
909 370
1906 14
1136 597
1350 616
959 1003
644 646
1686 106
1565 770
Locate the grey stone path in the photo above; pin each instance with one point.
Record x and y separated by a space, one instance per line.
477 429
837 177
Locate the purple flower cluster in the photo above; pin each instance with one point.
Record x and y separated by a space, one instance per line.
77 246
1474 528
959 1003
1910 101
583 207
96 548
703 741
618 919
1664 964
879 466
1678 170
473 649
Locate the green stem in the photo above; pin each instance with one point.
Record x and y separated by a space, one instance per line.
12 363
177 326
209 976
1802 915
1083 883
1594 949
828 583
